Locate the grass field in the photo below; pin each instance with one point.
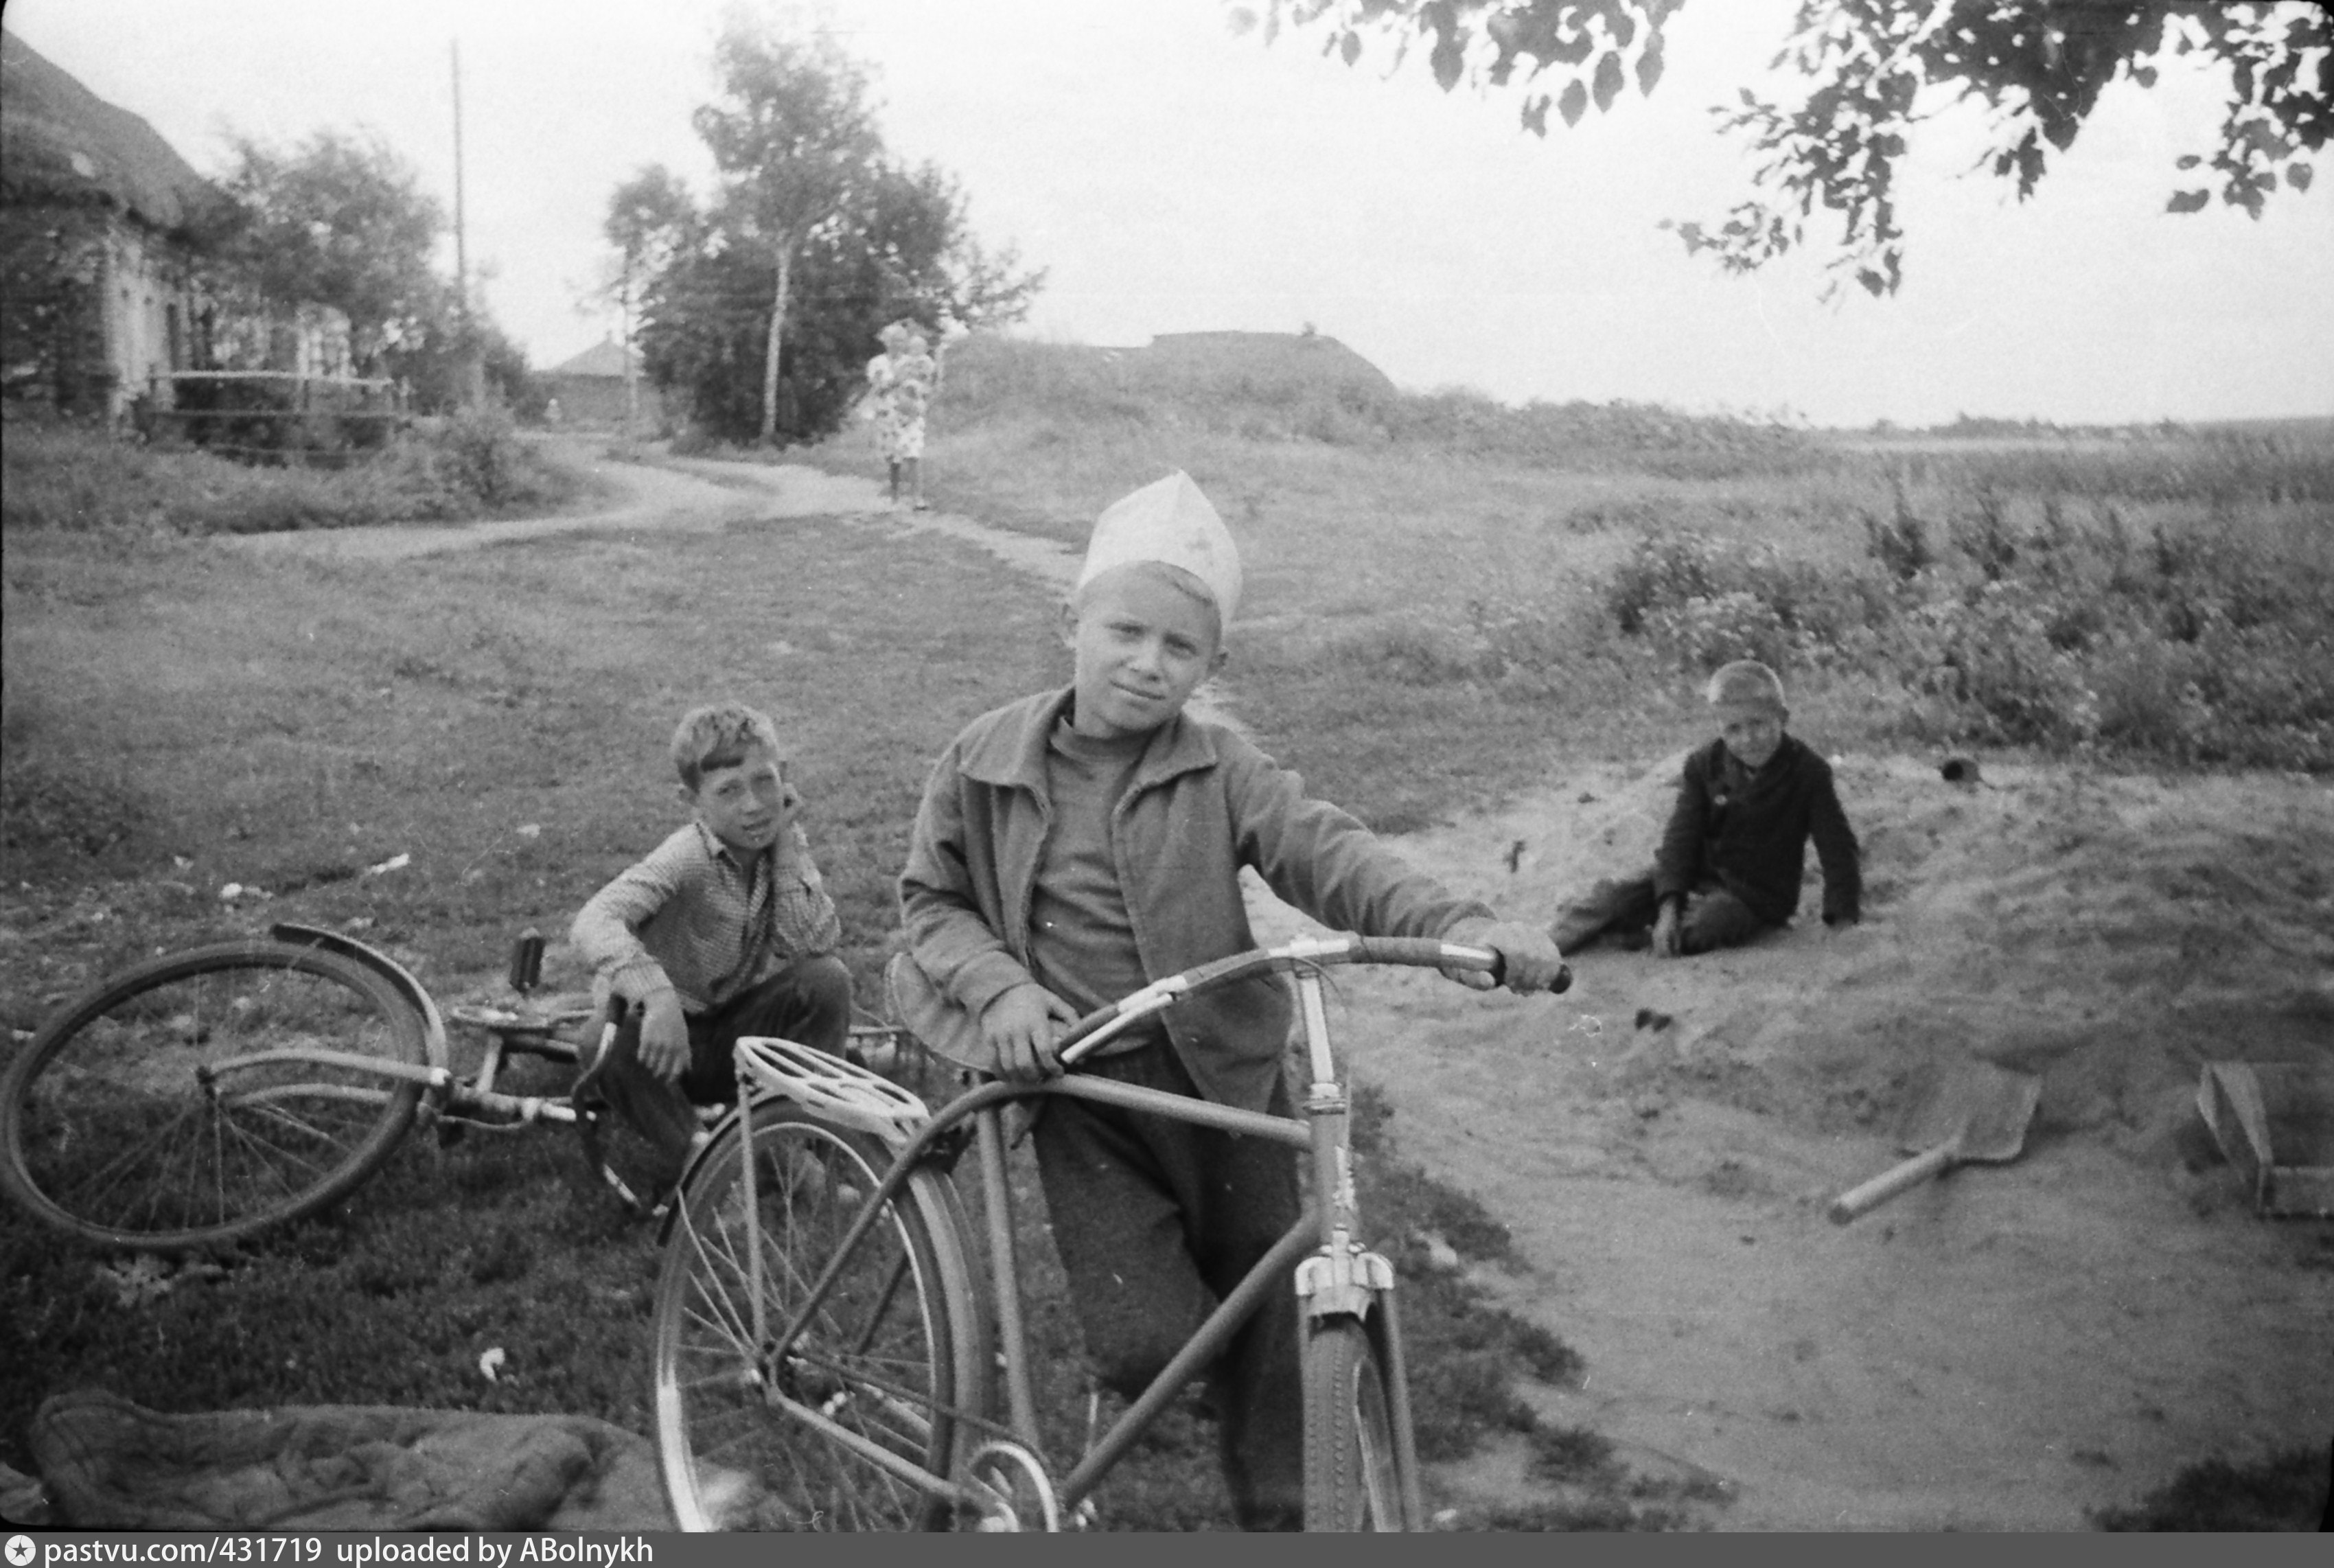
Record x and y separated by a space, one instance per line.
1445 596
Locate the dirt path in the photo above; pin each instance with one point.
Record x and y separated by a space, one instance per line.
2007 1348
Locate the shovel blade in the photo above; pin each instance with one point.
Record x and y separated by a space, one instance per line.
1979 1109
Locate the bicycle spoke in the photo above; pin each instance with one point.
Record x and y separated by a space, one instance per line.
101 1182
868 1360
139 1118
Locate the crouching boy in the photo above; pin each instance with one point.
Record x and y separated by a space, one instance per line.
1076 845
723 930
1732 854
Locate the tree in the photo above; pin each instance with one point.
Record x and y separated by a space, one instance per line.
1875 69
713 295
341 221
903 248
646 216
793 133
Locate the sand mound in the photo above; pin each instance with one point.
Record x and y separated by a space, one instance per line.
2008 1346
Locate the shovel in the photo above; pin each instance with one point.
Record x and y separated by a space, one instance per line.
1971 1111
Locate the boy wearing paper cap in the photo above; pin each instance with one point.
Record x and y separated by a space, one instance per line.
1730 860
1076 845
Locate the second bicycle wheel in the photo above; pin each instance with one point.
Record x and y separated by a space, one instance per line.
203 1096
1351 1482
892 1357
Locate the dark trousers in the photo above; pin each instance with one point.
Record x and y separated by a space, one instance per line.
808 1001
1156 1221
1623 906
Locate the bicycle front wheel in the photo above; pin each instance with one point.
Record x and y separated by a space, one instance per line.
892 1359
1351 1481
204 1096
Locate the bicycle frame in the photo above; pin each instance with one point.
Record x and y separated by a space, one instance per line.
1339 1278
446 1094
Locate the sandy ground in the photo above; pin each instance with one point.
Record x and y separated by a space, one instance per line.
2007 1347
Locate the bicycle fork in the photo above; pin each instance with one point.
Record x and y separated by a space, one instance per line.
1343 1279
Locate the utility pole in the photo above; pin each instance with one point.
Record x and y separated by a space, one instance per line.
631 371
472 371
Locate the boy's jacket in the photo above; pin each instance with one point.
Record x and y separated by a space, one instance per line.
1748 832
1202 803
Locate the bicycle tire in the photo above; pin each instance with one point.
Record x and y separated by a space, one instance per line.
897 1355
118 1127
1351 1482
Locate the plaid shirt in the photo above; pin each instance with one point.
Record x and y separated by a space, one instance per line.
688 917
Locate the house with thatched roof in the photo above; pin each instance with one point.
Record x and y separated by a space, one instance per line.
590 389
100 226
108 280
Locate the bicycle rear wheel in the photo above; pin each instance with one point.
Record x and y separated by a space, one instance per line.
894 1355
186 1103
1351 1482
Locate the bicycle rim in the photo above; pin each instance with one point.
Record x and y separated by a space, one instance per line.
891 1356
1351 1482
146 1115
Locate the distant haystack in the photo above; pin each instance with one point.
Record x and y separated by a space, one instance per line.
1267 384
1260 362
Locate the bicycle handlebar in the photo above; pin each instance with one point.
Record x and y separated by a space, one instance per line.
1410 951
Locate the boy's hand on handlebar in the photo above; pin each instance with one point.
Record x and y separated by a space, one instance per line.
1021 1027
1528 959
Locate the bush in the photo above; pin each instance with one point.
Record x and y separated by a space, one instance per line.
1989 672
483 455
82 479
2202 644
1704 600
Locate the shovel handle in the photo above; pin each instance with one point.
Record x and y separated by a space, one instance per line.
1890 1181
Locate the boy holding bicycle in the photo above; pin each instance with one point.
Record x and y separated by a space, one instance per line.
723 930
1078 843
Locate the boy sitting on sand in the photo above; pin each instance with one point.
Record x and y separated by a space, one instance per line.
723 930
1731 858
1076 845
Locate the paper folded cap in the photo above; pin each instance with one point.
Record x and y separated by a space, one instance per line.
1169 523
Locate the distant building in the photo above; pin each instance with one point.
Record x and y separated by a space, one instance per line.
590 389
107 282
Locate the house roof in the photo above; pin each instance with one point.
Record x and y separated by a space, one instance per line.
59 142
604 358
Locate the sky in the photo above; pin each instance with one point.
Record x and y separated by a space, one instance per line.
1171 176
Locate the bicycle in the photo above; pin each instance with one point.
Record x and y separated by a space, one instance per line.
203 1097
824 1355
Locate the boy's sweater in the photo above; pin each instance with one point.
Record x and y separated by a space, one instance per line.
1748 832
690 916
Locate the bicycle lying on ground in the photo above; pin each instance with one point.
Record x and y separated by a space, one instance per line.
826 1358
203 1097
